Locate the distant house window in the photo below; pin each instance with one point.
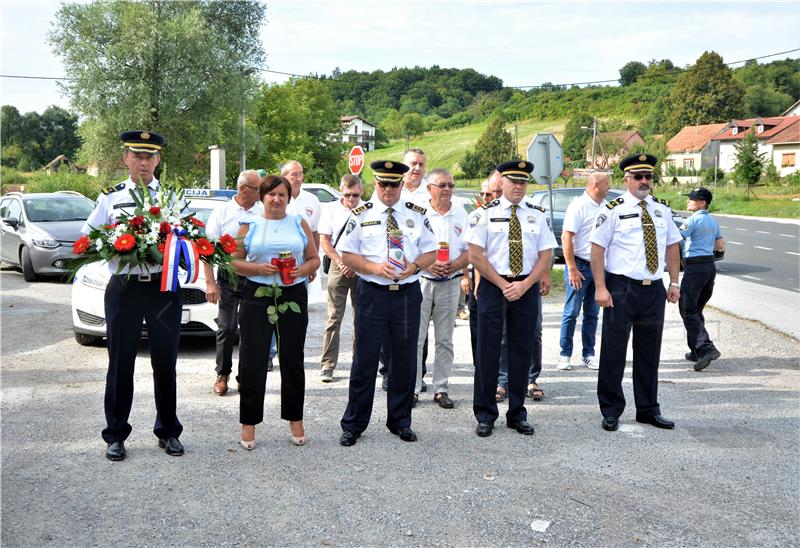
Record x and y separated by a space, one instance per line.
669 163
355 130
788 159
759 128
365 134
688 163
734 130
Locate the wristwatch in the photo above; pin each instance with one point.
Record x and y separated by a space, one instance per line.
673 284
416 269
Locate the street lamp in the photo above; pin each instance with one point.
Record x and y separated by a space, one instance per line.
245 72
594 136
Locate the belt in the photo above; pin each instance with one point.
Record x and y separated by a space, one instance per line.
147 277
444 279
698 260
646 281
390 287
514 278
584 261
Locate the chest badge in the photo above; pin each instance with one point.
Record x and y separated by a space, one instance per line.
409 223
531 219
658 213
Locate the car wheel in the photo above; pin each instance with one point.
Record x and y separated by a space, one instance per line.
27 266
88 340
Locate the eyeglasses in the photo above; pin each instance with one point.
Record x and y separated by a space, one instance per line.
389 184
640 176
351 195
444 185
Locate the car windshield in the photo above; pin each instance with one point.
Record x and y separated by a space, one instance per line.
58 208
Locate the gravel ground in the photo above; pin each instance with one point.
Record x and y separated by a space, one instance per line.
726 476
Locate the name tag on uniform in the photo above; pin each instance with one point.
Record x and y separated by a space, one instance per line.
499 219
370 223
629 216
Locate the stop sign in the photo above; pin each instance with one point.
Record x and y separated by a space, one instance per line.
356 160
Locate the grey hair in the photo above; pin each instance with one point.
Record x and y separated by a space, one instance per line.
436 173
350 181
285 167
242 179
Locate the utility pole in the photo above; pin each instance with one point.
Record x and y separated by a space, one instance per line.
594 137
245 72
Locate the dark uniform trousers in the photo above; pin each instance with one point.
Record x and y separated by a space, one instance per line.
128 301
641 308
697 287
227 320
255 337
520 319
472 306
396 314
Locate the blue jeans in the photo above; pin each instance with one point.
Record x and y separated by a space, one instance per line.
576 298
536 355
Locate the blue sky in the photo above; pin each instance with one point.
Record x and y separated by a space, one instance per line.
523 42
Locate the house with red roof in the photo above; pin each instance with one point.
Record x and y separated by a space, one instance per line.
764 128
611 147
357 131
693 148
786 147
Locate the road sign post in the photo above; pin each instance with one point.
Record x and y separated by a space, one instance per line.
547 157
355 160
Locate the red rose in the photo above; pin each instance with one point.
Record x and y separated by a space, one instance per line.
197 222
81 245
164 227
137 221
204 247
161 247
228 243
155 211
125 243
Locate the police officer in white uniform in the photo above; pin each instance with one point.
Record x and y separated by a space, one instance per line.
633 241
388 300
132 296
511 246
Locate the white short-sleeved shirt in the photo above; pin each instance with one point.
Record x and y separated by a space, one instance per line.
489 230
580 219
307 206
365 235
334 218
419 196
117 201
451 228
227 217
618 229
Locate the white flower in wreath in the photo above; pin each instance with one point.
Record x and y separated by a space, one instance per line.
98 244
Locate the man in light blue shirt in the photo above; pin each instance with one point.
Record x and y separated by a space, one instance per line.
703 238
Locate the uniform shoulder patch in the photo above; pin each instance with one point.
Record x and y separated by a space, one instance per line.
362 208
530 205
614 203
661 201
490 204
415 207
114 188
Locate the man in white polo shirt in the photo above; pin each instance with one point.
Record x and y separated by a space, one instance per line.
579 220
303 203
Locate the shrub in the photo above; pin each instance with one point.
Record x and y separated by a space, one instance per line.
792 180
11 176
66 180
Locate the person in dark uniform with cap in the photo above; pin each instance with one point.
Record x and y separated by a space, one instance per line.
388 299
511 246
634 239
132 296
703 238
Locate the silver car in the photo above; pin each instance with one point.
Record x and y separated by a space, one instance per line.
37 230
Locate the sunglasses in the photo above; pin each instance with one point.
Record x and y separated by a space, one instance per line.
351 195
389 184
444 185
640 176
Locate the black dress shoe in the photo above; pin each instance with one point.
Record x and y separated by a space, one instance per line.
424 387
690 356
171 446
484 429
610 423
115 451
405 433
659 421
523 427
704 360
349 438
414 400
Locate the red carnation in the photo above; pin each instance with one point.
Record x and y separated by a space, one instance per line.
204 247
161 247
164 227
155 211
81 245
125 243
137 221
228 243
197 222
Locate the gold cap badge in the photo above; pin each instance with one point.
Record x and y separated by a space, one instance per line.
144 135
388 165
521 165
642 158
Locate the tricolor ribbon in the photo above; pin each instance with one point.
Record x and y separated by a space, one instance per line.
176 246
396 253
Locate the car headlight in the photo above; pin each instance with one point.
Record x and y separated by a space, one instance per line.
45 243
95 282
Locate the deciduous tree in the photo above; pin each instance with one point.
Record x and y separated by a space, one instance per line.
630 72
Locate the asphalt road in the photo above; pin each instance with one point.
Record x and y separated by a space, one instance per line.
726 476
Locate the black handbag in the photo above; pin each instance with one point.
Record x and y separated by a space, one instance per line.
326 261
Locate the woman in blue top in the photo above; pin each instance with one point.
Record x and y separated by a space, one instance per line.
264 238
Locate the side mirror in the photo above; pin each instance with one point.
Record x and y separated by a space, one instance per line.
10 221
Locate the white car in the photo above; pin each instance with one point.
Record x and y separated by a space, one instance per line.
324 193
199 317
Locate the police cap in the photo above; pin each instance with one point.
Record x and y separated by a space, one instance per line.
701 193
638 163
385 171
518 170
142 141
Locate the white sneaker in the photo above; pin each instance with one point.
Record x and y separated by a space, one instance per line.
563 363
591 362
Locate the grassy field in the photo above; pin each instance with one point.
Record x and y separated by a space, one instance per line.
767 201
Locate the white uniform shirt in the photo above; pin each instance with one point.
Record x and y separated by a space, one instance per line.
451 228
618 229
489 230
419 196
226 217
118 202
334 218
365 235
580 218
307 206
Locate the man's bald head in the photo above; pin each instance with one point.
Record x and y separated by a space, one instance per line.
597 185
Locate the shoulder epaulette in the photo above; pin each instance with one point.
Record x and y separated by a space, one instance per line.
490 204
415 207
362 208
115 188
530 205
661 201
614 203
